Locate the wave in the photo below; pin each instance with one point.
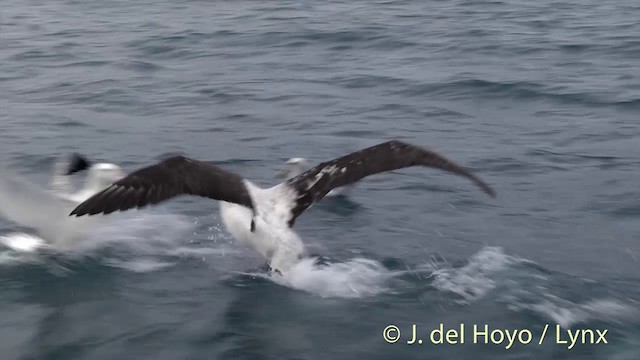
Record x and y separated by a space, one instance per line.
523 286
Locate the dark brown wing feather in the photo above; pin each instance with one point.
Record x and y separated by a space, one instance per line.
169 178
315 183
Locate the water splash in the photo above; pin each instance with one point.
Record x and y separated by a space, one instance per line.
524 286
356 278
476 278
22 242
136 242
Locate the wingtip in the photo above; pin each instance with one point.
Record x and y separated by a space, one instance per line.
489 191
486 188
76 213
80 211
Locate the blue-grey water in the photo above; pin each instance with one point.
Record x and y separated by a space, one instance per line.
540 98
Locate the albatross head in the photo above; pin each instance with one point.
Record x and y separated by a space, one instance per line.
103 174
291 168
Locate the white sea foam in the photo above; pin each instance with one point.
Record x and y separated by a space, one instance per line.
523 288
355 278
567 313
137 242
475 279
22 242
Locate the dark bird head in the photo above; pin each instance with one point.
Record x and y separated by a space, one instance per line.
77 163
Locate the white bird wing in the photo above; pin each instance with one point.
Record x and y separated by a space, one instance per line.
29 205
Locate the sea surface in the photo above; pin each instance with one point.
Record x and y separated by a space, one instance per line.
539 98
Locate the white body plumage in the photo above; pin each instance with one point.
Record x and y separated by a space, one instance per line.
271 237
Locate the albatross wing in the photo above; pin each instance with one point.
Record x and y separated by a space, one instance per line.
167 179
312 185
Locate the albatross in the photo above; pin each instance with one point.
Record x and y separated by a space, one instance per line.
46 210
263 217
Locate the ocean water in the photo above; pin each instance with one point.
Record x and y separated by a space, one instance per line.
540 98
